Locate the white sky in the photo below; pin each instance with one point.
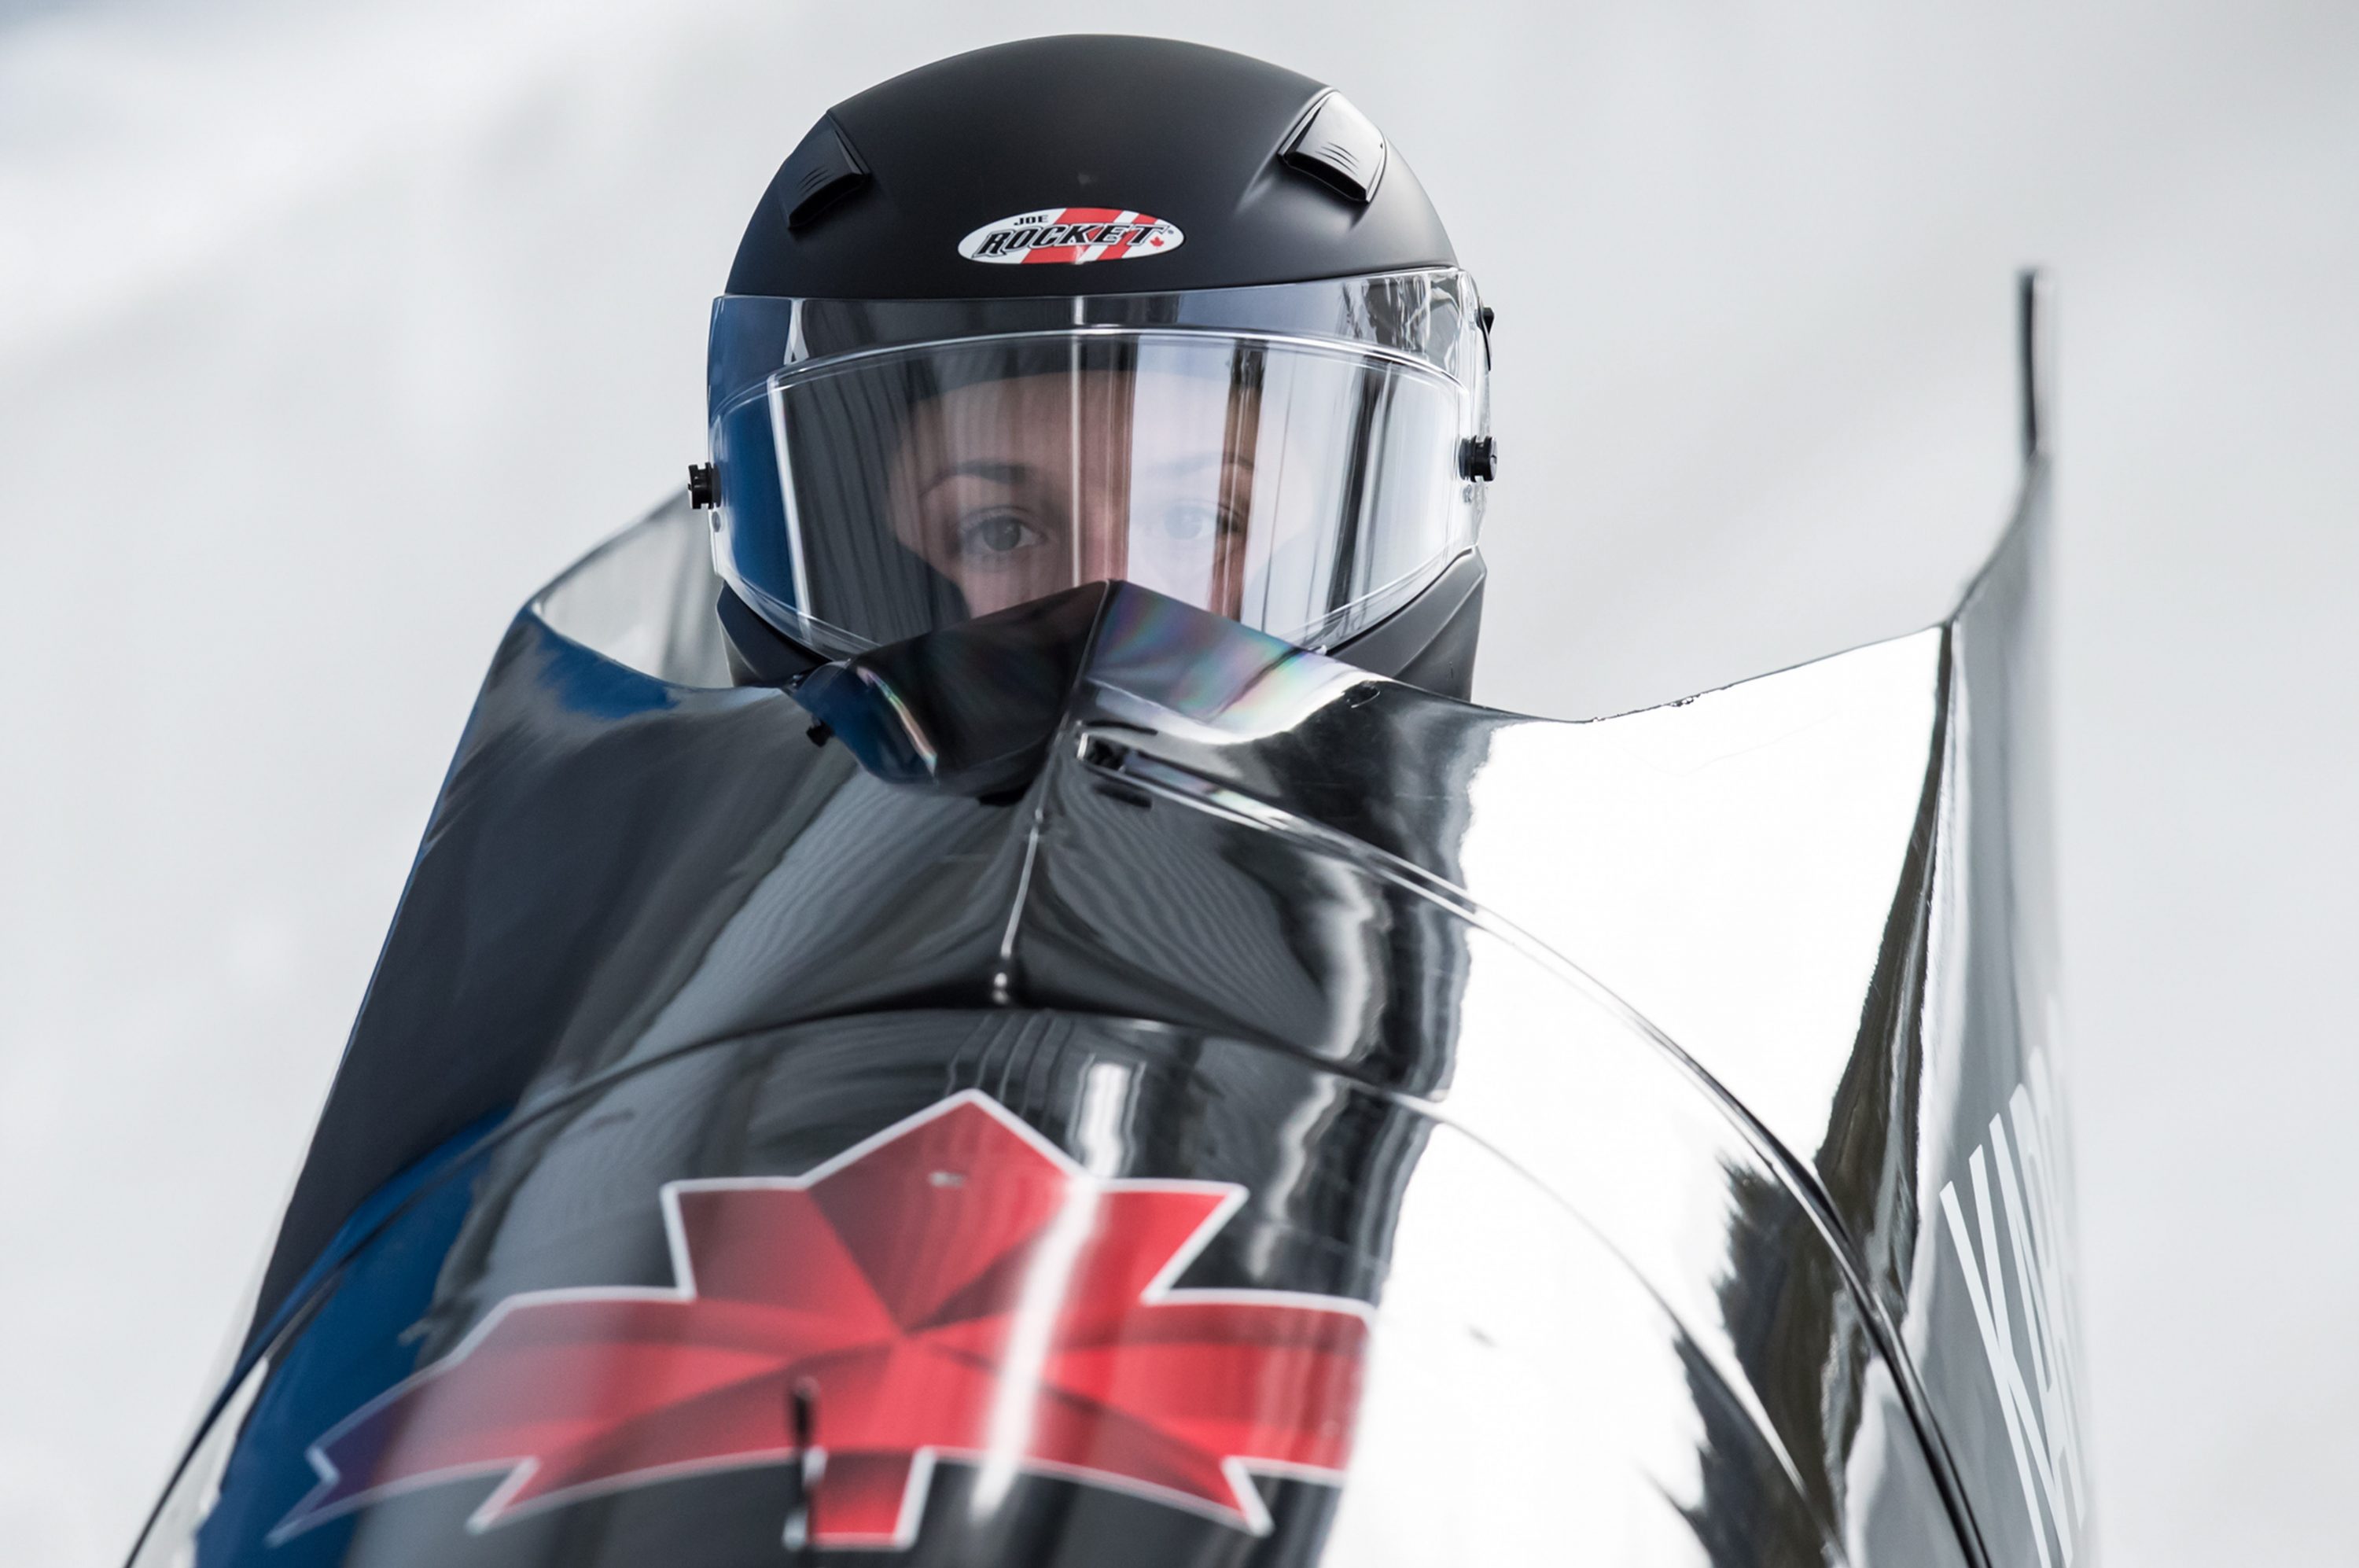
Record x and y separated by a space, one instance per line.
328 333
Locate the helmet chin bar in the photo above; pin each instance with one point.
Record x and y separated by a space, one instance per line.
760 653
1427 643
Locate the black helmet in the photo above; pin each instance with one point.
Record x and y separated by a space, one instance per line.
1086 308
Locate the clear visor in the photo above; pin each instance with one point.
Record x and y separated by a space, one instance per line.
1304 487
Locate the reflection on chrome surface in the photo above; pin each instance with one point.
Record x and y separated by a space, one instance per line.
1211 1106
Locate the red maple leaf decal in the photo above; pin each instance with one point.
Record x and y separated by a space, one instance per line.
953 1288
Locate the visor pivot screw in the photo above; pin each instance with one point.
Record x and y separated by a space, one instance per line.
1478 458
700 485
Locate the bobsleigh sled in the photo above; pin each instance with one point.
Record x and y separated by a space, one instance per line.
1098 1084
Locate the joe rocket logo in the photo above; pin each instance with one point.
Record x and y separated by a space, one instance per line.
953 1290
1071 234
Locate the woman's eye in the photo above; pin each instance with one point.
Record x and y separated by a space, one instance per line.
995 534
1194 524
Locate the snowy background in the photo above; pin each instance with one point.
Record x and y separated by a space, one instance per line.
328 333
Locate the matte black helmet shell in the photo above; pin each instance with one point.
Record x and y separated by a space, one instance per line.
1265 173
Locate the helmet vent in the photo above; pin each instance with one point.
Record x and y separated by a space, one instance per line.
820 173
1340 147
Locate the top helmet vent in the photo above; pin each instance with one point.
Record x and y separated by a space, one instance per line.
1341 146
820 173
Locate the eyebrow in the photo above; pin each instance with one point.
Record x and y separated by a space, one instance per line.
980 468
1016 473
1208 459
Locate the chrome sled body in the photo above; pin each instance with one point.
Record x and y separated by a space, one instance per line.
1100 1086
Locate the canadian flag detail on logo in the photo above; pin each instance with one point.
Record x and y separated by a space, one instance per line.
1070 235
954 1289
